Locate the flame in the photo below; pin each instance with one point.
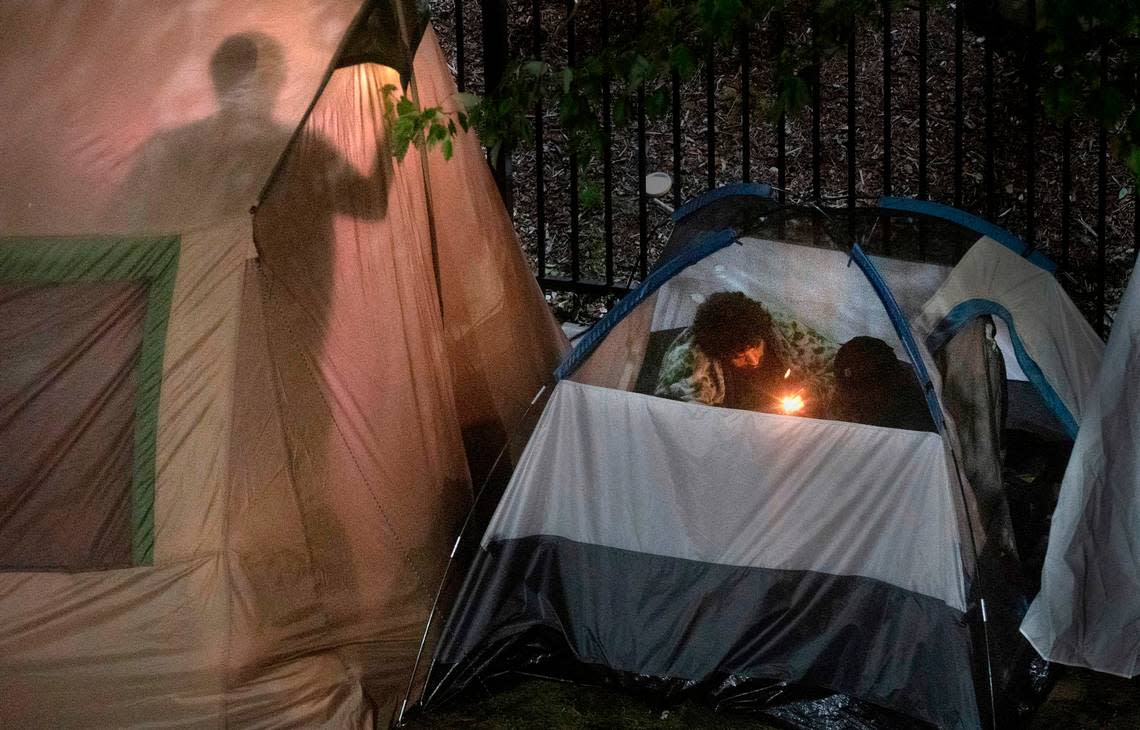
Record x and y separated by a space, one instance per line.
787 373
792 403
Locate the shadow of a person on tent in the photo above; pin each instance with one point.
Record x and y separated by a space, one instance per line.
213 168
312 268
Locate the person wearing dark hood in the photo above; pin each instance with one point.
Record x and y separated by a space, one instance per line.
876 388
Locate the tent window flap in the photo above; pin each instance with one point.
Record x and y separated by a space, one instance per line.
82 336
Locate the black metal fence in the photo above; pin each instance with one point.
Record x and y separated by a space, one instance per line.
1015 138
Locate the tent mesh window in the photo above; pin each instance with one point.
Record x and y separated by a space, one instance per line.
82 333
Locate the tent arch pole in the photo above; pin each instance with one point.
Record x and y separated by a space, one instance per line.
451 558
898 321
710 244
755 190
972 222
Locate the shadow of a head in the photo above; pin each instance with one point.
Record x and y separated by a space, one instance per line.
248 71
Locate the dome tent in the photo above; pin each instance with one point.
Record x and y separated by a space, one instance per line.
737 554
233 458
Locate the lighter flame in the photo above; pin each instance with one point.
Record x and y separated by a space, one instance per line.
792 403
787 373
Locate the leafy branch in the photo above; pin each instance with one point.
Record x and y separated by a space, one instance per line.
676 33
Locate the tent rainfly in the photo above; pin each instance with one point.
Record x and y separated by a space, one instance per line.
1088 611
234 454
742 554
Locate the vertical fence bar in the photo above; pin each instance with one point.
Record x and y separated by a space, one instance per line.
991 202
816 107
851 74
642 201
1030 127
923 93
886 11
495 54
710 112
607 166
781 121
459 65
1066 191
746 102
959 122
1101 205
571 58
678 173
539 161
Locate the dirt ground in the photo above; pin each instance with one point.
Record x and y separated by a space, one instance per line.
1082 700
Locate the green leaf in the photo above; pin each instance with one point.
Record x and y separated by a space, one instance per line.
567 79
639 70
621 111
467 101
534 69
447 149
681 59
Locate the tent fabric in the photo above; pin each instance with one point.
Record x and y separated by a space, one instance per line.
192 128
1088 610
770 501
1055 338
568 551
67 426
152 264
310 458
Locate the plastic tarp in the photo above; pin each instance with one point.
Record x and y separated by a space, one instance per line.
1054 343
1088 610
723 551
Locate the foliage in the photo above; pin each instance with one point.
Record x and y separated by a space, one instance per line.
676 34
1077 35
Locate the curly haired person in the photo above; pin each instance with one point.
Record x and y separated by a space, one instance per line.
738 354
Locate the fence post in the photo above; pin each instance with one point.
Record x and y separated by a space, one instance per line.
495 54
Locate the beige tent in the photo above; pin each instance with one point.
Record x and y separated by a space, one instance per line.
234 452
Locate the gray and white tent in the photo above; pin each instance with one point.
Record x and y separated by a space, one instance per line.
1088 610
740 554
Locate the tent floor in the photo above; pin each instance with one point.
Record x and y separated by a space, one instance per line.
1082 699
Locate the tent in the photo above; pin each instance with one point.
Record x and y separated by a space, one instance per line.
235 450
1088 610
766 559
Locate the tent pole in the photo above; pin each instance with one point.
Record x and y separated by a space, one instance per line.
451 559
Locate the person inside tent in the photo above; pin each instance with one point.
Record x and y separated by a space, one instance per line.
876 388
738 354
